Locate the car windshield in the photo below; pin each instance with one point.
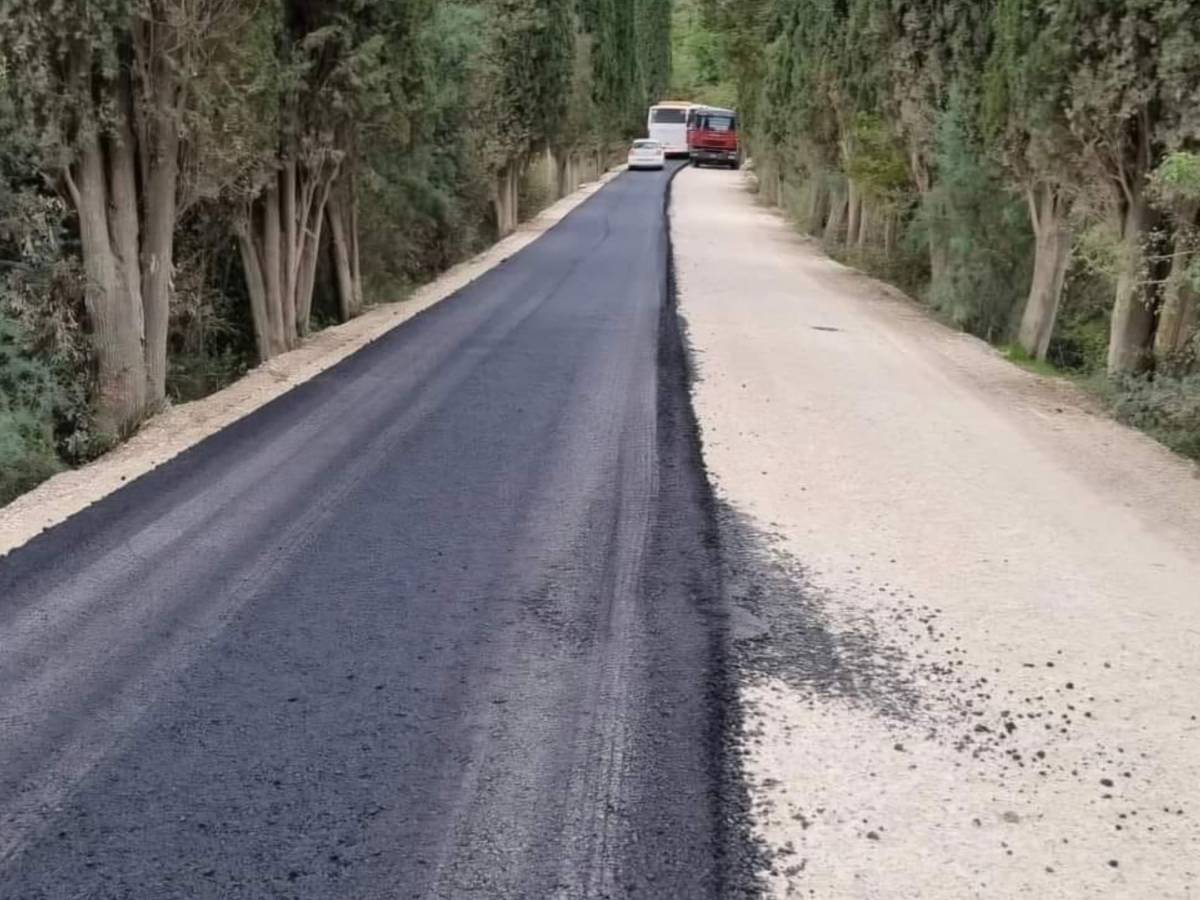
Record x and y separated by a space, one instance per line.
646 145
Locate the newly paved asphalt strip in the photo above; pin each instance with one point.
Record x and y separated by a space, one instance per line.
442 622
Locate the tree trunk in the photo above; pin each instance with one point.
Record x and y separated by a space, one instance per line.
566 169
939 247
158 252
865 221
939 251
345 253
290 251
355 255
514 189
818 206
1052 255
158 145
123 226
115 313
504 198
1177 318
500 203
256 286
1133 315
854 210
283 227
560 174
271 253
310 252
306 280
837 217
124 189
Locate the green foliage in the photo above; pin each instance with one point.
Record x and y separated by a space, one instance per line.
1026 85
1016 354
42 360
1132 74
699 58
29 402
424 200
527 78
416 104
745 29
209 336
1167 408
631 60
983 232
875 161
41 311
1176 181
1080 341
949 118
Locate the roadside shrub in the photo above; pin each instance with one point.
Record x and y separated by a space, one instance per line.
29 401
47 358
537 190
209 334
979 230
1080 340
1167 408
418 223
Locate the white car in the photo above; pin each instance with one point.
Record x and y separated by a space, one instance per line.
647 154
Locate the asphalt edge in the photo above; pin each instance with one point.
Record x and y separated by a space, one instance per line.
742 857
65 495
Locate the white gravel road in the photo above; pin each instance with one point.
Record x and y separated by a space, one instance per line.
970 633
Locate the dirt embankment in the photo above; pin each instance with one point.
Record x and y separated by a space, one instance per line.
969 606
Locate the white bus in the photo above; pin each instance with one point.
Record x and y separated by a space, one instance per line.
668 124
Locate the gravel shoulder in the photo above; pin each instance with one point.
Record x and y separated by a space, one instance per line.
968 606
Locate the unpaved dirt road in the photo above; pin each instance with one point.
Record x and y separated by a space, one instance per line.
440 622
969 610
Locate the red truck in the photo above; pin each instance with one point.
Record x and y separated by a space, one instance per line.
713 137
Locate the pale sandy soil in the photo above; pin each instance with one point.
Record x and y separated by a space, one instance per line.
175 430
971 607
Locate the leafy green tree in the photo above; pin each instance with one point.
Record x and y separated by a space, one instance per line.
330 142
424 192
1133 73
1175 186
1026 92
108 91
631 47
698 56
983 230
521 103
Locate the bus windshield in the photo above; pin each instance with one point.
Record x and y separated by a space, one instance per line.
668 116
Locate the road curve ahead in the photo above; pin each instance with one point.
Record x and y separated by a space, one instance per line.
439 623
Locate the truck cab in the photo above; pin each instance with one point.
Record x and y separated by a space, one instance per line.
713 137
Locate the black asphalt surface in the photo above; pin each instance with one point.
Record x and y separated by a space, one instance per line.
442 622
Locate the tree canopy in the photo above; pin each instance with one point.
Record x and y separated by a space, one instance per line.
213 179
1069 110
